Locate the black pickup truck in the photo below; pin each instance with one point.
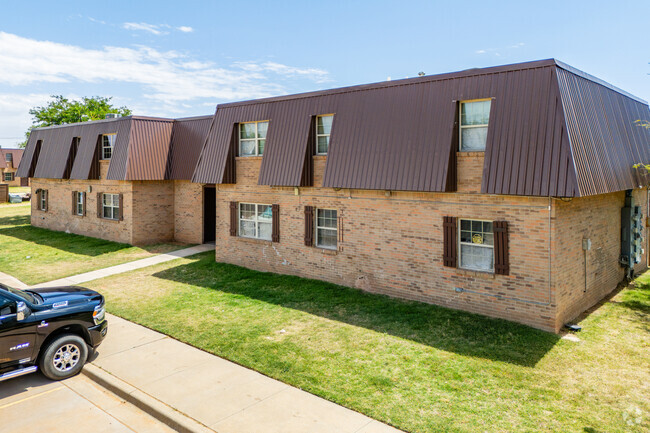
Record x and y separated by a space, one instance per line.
49 329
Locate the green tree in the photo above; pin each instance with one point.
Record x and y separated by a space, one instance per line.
61 110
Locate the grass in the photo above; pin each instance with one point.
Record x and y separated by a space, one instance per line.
19 189
419 367
35 255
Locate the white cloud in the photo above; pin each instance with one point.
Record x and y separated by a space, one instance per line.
185 29
165 76
497 51
151 28
15 115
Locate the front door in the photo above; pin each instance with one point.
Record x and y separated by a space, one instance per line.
209 213
16 338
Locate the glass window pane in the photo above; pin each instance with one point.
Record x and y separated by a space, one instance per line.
262 128
265 231
477 226
247 147
247 211
323 144
107 212
247 229
465 236
487 226
477 258
324 124
473 138
261 144
488 239
475 113
326 238
246 130
264 212
465 225
326 218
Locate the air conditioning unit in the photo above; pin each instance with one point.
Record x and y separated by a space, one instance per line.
112 115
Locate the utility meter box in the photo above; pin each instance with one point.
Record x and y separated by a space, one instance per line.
631 232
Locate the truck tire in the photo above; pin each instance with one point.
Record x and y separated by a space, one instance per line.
64 357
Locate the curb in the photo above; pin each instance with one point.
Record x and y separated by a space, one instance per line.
157 409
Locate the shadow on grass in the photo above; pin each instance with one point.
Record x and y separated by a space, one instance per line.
13 221
445 329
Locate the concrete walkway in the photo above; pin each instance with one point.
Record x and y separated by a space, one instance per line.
217 393
125 267
10 281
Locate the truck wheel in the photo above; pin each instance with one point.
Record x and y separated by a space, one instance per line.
64 357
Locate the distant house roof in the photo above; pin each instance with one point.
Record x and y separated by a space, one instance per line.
553 131
16 154
142 150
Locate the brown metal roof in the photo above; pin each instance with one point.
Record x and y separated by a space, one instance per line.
17 154
188 137
401 135
605 141
143 156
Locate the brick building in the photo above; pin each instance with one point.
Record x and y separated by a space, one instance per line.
501 191
9 162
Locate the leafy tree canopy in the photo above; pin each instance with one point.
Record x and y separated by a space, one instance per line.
62 110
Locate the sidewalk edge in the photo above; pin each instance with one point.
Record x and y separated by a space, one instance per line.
157 409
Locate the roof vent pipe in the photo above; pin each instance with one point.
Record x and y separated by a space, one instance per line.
112 115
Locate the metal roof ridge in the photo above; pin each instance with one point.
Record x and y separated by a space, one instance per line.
401 82
597 80
87 122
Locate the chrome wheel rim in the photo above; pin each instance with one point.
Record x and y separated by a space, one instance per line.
66 358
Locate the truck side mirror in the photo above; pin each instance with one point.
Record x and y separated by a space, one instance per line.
22 311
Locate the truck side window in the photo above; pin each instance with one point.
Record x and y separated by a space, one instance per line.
5 306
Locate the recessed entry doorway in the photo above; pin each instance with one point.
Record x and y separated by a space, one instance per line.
209 213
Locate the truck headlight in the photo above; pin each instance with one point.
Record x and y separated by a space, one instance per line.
99 314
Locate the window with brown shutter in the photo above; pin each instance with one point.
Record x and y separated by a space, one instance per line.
501 248
84 203
275 231
45 200
309 226
449 242
233 218
99 205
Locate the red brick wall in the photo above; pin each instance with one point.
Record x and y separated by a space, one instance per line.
188 212
599 219
393 245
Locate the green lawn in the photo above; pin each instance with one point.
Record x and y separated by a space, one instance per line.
418 367
19 189
35 255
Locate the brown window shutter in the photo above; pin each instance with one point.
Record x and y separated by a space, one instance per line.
47 199
120 207
275 231
74 202
83 203
450 245
309 226
501 249
99 205
233 218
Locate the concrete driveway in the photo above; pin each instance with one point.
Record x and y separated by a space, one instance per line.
33 403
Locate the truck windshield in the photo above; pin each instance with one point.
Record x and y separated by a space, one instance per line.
26 296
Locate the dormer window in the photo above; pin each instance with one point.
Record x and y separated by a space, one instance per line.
108 142
323 130
9 158
252 138
474 119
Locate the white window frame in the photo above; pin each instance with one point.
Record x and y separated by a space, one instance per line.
114 206
461 126
255 220
43 200
257 138
111 146
9 157
323 135
460 249
11 176
335 230
79 203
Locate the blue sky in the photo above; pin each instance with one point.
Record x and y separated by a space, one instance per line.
178 59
